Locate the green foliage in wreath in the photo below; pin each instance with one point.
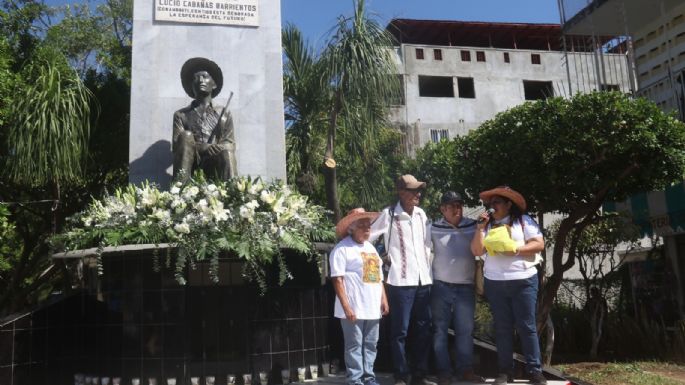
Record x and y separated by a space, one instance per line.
248 217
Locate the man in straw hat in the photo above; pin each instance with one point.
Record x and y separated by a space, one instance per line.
360 296
202 136
406 238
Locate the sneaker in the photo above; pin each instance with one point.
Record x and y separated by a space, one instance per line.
470 376
536 378
371 381
501 379
444 380
400 381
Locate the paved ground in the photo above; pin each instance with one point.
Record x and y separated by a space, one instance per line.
386 379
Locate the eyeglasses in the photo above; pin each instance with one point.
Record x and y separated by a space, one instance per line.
497 202
413 190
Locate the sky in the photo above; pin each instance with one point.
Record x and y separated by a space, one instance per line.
315 18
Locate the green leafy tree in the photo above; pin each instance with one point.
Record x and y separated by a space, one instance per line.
436 163
45 142
8 82
49 132
8 244
307 97
95 39
567 156
22 22
368 178
33 47
340 109
359 69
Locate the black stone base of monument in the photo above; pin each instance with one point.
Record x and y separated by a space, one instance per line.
134 322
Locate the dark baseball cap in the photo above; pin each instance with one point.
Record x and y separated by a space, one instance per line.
451 197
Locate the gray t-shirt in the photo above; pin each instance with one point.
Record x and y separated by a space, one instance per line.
453 260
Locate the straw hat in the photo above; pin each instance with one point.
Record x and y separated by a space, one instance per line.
195 65
507 192
353 215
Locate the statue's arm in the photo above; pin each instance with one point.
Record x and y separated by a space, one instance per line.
178 128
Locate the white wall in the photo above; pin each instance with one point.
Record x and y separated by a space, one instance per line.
498 85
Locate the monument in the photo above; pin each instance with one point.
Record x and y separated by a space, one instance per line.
239 38
203 137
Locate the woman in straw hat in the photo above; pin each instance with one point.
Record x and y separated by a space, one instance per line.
360 296
511 282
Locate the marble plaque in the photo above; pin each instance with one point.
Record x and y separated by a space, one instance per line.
224 12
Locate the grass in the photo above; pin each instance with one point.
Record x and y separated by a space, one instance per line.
631 373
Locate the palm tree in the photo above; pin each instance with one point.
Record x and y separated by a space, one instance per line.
306 97
360 70
49 132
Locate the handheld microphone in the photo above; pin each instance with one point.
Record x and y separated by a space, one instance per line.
490 211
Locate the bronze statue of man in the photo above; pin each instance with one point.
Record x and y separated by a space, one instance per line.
203 137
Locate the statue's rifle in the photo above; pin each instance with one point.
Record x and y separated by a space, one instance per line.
218 123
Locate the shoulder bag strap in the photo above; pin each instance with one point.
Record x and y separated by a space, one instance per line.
391 211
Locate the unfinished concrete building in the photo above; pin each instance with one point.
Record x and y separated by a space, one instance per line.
456 74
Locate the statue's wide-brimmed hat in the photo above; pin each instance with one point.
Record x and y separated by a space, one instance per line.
507 192
195 65
351 217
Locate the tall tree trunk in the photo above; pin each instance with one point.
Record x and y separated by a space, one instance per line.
598 311
549 342
330 180
553 282
552 285
329 164
54 211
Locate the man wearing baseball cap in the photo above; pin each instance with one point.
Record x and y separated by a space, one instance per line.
453 293
406 236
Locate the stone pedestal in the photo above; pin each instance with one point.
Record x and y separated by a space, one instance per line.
251 60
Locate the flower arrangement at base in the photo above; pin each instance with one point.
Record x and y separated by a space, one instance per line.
251 218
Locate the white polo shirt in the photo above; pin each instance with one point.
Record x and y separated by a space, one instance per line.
408 246
501 267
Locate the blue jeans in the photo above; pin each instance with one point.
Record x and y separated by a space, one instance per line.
410 303
361 338
513 304
455 304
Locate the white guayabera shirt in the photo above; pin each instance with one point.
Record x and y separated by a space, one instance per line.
408 246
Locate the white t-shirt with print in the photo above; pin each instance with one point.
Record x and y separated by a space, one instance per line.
501 267
361 267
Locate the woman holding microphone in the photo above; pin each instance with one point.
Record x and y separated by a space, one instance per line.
511 242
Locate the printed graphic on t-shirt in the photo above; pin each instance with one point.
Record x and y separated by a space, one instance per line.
372 268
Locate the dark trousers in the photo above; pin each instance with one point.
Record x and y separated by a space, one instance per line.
513 304
410 304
